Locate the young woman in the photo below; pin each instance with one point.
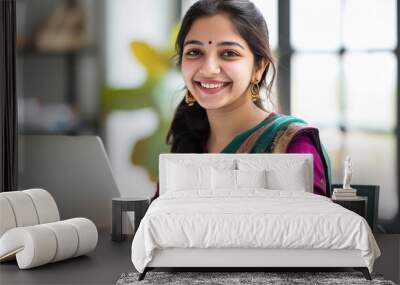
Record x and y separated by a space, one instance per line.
224 54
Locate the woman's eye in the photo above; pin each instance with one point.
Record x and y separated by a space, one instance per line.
229 53
193 53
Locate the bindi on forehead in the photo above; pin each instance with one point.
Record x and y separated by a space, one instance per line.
209 42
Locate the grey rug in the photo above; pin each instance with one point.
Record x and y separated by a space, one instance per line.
225 278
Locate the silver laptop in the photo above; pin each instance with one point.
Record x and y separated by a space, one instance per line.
74 169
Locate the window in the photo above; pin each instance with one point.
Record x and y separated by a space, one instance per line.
343 78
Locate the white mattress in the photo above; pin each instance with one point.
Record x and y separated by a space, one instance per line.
252 218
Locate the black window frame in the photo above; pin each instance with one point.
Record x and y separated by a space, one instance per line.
8 98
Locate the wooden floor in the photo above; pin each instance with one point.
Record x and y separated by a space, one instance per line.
102 266
111 259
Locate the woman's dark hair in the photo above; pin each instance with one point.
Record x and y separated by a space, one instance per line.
190 128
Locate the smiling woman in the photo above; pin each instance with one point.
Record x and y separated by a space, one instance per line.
224 54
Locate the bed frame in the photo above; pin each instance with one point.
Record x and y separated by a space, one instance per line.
261 259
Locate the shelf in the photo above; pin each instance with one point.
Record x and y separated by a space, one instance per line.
30 51
71 58
83 129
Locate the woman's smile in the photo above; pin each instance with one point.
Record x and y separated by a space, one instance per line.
211 87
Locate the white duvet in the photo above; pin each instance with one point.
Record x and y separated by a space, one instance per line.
253 218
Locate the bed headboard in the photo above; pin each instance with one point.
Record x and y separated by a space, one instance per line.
285 164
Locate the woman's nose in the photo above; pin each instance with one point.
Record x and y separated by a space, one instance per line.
210 66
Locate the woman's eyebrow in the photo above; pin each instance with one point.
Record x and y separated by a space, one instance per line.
230 44
226 43
193 42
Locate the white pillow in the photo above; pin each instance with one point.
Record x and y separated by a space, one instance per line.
294 180
282 174
187 177
223 179
251 178
236 179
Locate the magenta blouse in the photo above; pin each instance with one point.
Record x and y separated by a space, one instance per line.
303 144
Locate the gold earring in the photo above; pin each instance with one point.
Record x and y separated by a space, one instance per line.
255 91
189 99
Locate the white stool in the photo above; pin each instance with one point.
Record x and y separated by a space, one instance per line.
32 233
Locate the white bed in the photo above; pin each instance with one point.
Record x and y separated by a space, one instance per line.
267 216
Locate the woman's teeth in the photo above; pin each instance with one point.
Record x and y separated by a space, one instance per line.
206 85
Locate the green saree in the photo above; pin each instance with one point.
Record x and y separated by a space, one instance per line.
274 134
